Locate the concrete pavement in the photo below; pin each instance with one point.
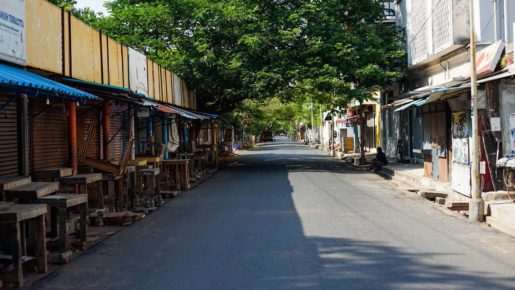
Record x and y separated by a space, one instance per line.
289 217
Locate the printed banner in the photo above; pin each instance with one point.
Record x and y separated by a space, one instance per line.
460 125
460 150
138 72
12 31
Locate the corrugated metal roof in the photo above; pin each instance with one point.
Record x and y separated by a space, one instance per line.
15 77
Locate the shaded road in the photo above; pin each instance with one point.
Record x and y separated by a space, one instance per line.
290 217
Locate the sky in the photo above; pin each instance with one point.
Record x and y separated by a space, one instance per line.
96 5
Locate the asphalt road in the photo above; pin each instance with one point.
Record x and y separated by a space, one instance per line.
290 217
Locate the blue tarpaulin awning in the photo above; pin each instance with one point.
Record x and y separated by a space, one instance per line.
417 103
18 78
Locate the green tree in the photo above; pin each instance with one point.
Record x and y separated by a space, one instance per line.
232 50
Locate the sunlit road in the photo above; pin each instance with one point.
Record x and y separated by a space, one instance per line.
290 217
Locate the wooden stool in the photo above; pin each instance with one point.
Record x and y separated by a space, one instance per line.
59 205
176 174
7 183
17 218
115 190
83 180
148 188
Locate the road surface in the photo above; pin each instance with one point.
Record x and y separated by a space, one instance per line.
290 217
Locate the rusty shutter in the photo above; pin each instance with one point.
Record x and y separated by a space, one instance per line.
117 125
87 115
8 136
49 126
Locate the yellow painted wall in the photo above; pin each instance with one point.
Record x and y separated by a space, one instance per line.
150 73
186 101
169 95
85 49
157 85
125 63
43 36
105 55
115 63
66 36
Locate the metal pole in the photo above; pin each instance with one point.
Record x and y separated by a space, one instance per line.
506 22
496 29
476 204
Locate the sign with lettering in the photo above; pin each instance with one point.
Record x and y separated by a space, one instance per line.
12 31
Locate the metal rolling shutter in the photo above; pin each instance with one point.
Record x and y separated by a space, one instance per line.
8 136
118 124
49 125
86 116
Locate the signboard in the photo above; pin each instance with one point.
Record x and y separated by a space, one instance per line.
487 58
12 31
138 72
495 124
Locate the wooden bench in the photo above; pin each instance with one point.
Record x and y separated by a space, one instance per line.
18 217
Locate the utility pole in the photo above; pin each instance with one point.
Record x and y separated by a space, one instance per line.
476 204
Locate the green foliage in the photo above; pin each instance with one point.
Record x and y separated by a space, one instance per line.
256 116
236 50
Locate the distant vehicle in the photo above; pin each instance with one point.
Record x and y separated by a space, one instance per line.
267 136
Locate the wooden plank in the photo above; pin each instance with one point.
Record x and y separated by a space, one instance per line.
149 172
54 172
82 178
67 200
19 212
32 190
7 183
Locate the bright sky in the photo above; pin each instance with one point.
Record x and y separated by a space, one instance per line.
96 5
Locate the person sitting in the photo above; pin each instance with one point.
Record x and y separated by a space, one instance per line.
379 161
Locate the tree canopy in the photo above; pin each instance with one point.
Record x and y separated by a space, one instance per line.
233 50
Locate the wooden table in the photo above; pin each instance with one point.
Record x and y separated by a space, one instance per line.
176 174
7 183
53 173
83 180
17 217
59 205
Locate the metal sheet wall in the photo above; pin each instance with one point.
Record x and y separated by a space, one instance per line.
8 136
44 36
49 126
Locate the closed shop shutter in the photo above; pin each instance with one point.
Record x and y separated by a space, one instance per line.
142 134
118 128
87 115
8 136
49 126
